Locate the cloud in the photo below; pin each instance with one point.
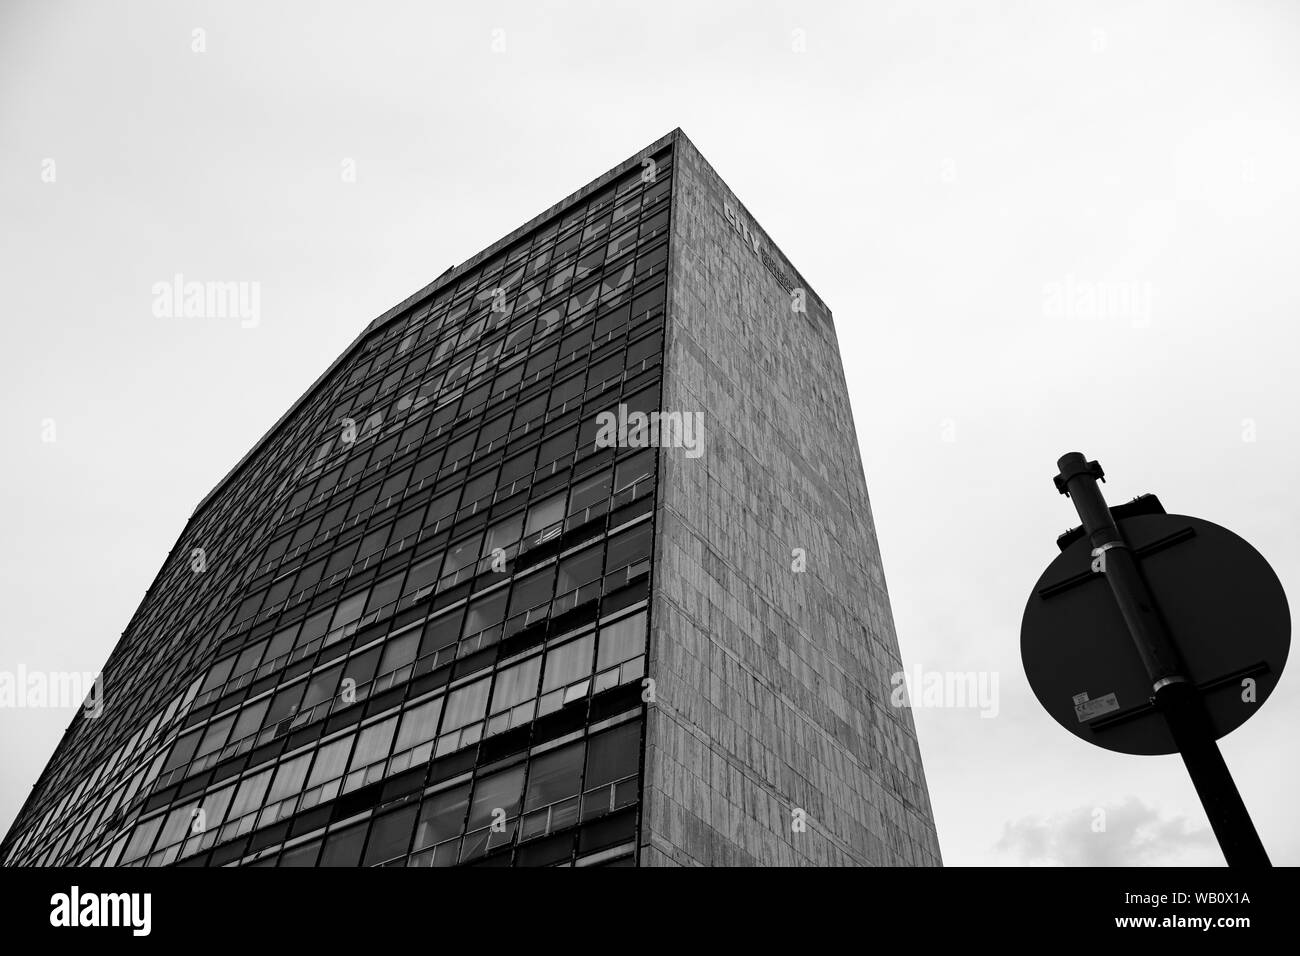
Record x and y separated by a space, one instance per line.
1131 833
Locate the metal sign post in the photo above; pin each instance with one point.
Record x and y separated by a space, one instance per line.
1174 694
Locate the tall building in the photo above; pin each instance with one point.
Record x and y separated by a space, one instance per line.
567 560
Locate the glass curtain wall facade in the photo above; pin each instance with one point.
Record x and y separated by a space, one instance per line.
411 627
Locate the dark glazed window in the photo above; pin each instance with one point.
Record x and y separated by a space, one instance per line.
390 835
442 817
343 847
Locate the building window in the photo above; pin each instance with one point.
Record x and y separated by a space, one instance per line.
554 783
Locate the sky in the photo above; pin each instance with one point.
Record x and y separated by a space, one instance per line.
1042 227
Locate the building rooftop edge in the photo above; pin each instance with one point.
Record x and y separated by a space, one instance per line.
803 283
448 276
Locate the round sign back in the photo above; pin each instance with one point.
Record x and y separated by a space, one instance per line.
1221 601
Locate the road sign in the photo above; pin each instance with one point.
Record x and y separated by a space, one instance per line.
1220 600
1207 630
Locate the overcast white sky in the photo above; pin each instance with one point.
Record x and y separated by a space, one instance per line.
939 172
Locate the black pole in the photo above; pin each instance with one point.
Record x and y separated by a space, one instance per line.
1174 694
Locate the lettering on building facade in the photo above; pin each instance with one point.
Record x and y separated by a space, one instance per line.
736 220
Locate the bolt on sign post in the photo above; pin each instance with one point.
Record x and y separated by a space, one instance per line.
1155 633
